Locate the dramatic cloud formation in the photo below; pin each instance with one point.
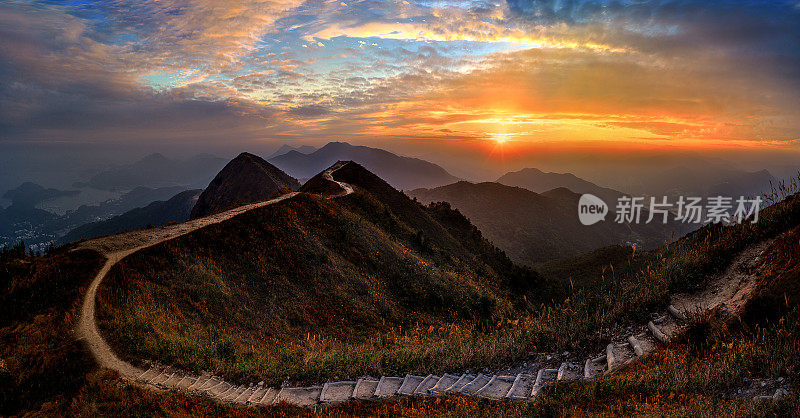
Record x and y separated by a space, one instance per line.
649 73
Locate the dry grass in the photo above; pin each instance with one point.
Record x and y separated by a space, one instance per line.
357 287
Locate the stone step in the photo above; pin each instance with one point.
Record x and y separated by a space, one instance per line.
245 395
163 377
657 333
235 393
388 386
365 388
221 390
636 345
173 380
149 374
522 387
617 355
647 341
497 388
569 371
269 397
594 367
475 385
301 396
187 381
257 395
410 384
460 383
444 383
335 392
209 384
670 327
676 313
544 378
424 388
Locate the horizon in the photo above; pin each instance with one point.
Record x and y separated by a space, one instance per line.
477 87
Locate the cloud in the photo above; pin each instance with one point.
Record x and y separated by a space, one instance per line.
540 70
309 111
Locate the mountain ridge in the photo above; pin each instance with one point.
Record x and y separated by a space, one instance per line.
401 172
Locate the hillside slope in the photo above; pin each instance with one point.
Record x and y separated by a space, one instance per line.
534 227
343 270
245 179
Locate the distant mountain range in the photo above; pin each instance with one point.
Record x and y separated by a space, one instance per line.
401 172
303 149
533 227
156 170
246 179
30 194
158 213
37 227
538 181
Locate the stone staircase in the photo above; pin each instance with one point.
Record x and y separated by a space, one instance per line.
520 386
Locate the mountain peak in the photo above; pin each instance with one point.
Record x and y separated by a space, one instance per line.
246 179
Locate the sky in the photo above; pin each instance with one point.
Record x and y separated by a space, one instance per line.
494 79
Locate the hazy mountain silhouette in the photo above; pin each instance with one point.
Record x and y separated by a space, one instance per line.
401 172
532 227
156 170
39 227
538 181
303 149
245 179
158 213
30 194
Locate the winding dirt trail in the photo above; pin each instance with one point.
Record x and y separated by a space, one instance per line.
117 247
729 289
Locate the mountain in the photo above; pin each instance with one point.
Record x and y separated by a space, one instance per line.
702 179
404 173
538 181
748 184
338 269
158 213
532 227
245 179
30 194
156 170
38 227
303 149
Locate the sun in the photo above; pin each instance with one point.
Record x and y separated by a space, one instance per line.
499 139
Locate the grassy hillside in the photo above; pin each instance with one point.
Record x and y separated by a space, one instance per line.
373 283
313 287
40 362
